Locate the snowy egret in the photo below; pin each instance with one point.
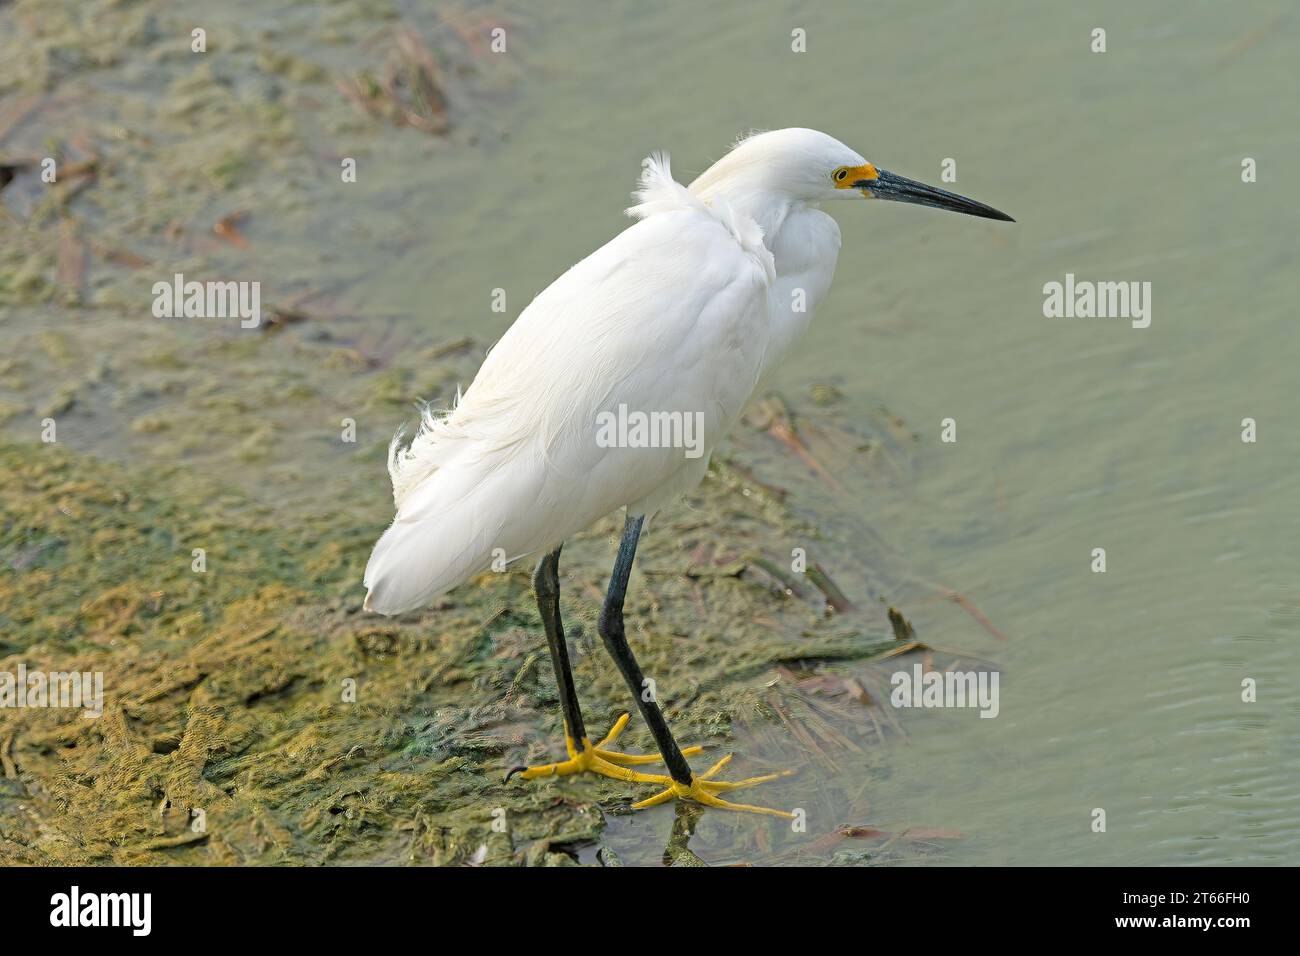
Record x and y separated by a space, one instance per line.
683 313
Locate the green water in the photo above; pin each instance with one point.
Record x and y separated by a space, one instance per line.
1121 690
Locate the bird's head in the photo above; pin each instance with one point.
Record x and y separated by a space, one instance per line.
804 165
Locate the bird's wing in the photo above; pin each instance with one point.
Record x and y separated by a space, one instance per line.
671 316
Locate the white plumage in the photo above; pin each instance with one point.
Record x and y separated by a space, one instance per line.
685 310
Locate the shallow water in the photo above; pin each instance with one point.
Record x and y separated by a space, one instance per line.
1120 690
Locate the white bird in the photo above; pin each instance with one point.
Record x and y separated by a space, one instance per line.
680 316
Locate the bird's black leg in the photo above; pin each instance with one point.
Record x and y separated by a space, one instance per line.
611 631
584 756
546 585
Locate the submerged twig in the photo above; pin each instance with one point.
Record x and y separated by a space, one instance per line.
834 596
965 604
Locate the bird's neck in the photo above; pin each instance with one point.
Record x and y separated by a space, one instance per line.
767 208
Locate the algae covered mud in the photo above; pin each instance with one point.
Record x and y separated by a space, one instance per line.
253 715
188 501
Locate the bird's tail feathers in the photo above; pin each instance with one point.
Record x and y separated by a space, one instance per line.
441 540
453 526
435 441
408 568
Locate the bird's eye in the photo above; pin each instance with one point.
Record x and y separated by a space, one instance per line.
840 174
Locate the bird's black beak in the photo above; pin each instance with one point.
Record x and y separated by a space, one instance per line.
891 186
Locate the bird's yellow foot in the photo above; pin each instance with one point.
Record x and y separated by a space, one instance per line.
705 790
595 758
